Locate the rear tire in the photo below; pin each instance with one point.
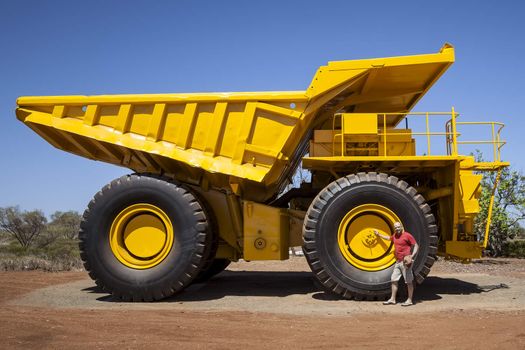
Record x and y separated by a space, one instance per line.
334 253
216 267
143 238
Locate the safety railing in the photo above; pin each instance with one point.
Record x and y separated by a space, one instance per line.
495 140
450 133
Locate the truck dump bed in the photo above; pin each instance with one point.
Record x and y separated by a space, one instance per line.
244 140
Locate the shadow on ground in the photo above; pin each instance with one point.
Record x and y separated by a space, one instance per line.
432 289
434 286
282 284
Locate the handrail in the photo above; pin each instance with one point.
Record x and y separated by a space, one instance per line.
495 139
451 133
336 135
491 205
427 133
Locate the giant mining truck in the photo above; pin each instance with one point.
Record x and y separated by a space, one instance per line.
211 174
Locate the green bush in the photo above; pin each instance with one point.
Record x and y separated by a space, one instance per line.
29 242
61 255
514 249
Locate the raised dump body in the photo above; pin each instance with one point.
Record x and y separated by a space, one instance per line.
253 140
211 171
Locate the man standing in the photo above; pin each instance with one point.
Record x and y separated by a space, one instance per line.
403 242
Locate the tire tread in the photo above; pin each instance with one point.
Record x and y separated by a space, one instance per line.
316 209
167 287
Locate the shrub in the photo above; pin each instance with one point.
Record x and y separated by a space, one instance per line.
61 255
514 249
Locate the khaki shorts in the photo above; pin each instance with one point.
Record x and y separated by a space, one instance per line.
401 270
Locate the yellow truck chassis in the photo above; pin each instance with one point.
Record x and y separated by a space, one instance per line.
212 175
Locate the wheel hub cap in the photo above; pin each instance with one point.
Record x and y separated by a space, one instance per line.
141 236
357 241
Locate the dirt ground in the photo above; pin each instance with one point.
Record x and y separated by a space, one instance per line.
268 305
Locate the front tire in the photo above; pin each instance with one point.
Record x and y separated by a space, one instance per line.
340 247
143 238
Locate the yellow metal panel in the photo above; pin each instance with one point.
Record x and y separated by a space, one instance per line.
244 132
157 122
122 120
91 117
59 111
399 148
203 123
223 215
321 149
415 162
323 136
185 130
232 127
446 54
296 227
359 123
464 249
397 135
487 166
399 143
80 100
456 199
326 79
140 120
266 232
175 118
390 84
470 191
107 115
212 141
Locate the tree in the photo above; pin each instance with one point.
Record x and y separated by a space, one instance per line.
65 224
508 209
24 226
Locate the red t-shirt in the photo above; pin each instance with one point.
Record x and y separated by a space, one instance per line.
402 244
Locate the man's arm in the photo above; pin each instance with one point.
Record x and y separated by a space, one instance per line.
382 236
414 252
409 259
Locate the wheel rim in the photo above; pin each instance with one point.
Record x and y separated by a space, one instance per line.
141 236
357 241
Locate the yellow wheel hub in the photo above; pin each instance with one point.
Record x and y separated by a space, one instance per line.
357 241
141 236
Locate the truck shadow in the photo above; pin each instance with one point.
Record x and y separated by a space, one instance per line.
433 288
238 283
282 284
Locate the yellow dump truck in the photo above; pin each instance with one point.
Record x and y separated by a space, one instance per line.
212 173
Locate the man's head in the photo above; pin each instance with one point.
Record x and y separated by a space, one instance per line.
398 228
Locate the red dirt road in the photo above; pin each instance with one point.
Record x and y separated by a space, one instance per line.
124 326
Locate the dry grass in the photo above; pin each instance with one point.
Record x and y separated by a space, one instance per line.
12 262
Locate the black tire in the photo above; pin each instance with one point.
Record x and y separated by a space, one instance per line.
211 249
191 231
327 210
214 268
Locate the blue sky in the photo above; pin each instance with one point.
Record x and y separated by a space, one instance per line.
109 47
